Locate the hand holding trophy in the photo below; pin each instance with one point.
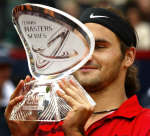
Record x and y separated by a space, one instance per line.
56 45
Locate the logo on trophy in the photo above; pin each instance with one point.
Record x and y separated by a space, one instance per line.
56 45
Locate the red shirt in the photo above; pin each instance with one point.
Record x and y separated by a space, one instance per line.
130 119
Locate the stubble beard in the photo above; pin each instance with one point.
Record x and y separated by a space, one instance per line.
88 81
93 82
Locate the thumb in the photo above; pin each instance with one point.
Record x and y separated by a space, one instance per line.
11 105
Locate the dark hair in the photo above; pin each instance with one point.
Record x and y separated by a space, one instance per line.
132 83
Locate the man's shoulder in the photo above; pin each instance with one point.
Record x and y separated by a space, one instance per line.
142 123
144 116
145 112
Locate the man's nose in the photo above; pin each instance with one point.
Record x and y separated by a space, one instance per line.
90 59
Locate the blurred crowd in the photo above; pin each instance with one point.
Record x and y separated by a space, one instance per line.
137 12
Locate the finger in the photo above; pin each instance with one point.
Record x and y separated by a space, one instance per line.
73 83
79 90
62 85
27 86
27 79
67 84
76 88
69 91
11 104
70 101
32 78
17 90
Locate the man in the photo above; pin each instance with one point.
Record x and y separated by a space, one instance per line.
108 77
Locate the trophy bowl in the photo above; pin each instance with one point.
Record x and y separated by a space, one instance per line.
56 45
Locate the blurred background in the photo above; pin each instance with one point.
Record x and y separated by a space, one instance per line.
13 63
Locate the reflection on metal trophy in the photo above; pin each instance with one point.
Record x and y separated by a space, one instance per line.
56 45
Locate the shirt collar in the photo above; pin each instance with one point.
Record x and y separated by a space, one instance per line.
129 109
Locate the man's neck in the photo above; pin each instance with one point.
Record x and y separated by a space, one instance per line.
108 97
106 101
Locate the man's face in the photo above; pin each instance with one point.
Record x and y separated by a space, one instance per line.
105 64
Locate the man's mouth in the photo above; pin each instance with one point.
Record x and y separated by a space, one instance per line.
88 68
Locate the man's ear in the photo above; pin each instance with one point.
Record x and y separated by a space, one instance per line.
129 57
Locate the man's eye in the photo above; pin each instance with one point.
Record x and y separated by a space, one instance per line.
99 46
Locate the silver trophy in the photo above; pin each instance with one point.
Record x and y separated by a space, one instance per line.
56 45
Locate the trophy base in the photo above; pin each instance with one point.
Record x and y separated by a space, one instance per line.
41 103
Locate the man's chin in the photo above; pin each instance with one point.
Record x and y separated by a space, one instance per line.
87 80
